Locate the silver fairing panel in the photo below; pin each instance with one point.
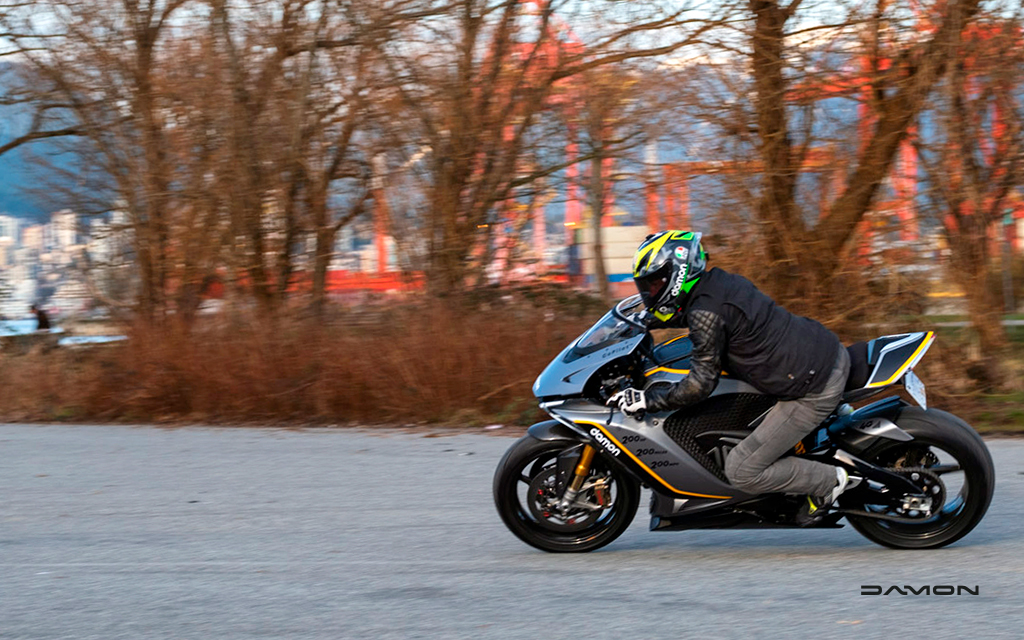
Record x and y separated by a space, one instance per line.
562 378
644 446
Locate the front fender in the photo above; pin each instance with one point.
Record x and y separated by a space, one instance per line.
554 430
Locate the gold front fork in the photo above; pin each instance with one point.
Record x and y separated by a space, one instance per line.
582 471
582 468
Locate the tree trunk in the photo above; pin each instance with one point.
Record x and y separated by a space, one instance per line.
597 199
777 205
987 321
325 235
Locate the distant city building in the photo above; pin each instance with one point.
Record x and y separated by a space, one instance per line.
100 244
7 249
32 238
65 229
9 229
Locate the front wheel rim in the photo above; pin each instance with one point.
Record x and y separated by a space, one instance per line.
579 528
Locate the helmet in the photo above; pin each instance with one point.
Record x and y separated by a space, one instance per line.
665 268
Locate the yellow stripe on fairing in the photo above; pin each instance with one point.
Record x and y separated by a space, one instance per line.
668 370
629 453
929 337
668 342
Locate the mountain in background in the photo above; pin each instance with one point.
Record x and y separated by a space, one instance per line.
17 171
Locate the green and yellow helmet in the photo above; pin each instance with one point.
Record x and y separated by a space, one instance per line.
666 267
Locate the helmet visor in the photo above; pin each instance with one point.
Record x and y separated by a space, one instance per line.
652 286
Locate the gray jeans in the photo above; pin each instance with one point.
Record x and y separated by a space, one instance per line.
754 466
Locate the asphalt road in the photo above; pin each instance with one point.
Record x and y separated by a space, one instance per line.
121 532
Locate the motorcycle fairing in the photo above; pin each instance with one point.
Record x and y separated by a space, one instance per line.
568 378
893 356
644 448
673 350
607 340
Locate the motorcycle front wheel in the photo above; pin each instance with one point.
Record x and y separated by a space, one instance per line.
525 495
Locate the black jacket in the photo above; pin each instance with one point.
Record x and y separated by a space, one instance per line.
735 327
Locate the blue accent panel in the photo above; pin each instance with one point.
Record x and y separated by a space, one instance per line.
620 277
884 407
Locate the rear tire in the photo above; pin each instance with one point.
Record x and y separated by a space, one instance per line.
947 433
526 460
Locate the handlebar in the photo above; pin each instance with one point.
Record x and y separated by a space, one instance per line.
639 319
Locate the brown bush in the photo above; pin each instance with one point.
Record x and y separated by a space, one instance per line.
417 362
465 364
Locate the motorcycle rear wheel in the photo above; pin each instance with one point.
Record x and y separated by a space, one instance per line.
948 447
525 466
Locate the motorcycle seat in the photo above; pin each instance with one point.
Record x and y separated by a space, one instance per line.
860 369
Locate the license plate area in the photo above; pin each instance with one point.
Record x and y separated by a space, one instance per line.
915 388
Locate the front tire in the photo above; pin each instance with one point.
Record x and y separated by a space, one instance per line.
968 488
530 460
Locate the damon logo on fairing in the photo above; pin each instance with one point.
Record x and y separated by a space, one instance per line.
605 442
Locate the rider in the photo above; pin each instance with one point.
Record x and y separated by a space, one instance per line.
736 327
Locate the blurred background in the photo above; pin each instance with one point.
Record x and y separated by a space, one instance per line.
398 211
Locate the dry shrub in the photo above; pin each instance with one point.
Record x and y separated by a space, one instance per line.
461 363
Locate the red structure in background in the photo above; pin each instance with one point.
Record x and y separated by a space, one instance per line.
983 44
676 176
667 195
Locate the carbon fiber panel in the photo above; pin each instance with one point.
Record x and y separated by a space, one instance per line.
717 413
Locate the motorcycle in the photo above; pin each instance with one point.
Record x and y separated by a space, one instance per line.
572 483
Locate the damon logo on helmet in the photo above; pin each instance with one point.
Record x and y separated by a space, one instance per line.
675 257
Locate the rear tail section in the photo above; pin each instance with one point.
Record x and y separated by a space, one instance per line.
883 362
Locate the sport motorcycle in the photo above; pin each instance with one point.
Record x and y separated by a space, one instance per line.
572 483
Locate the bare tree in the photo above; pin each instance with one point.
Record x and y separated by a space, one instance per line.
973 166
898 94
476 85
227 135
96 67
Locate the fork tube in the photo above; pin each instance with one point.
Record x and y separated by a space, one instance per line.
583 467
582 471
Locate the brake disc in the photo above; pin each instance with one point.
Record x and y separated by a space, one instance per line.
543 501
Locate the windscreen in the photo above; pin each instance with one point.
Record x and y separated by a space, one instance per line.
608 331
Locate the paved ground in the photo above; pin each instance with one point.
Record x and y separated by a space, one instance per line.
119 532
